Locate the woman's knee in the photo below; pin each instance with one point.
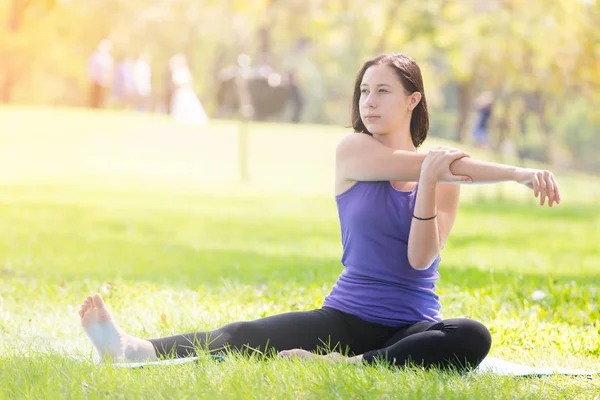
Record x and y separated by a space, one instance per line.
242 336
235 331
475 337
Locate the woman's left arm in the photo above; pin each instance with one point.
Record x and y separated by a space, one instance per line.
427 236
429 230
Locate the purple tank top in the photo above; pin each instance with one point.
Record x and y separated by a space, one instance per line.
378 284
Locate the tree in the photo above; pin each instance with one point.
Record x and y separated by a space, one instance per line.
13 62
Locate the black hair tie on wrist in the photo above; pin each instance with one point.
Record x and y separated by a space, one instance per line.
424 219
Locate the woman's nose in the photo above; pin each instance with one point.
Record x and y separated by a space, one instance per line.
370 103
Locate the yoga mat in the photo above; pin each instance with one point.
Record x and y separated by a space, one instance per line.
507 368
489 364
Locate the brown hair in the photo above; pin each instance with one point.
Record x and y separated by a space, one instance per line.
410 75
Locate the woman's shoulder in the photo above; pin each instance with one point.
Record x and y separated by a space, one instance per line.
355 138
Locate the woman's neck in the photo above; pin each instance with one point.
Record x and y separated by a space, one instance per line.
397 140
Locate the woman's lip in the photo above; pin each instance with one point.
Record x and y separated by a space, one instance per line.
371 118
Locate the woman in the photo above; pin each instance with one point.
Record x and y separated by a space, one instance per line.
185 106
396 210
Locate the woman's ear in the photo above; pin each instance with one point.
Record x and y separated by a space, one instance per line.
414 100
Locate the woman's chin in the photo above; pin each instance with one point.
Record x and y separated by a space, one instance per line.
375 130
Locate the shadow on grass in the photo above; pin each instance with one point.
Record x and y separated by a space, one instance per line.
97 247
191 269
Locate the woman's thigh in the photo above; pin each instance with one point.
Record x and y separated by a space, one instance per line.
313 330
448 326
320 330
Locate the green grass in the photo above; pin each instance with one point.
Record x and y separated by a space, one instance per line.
150 214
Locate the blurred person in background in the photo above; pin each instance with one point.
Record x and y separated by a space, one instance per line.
481 134
100 73
142 82
185 105
123 86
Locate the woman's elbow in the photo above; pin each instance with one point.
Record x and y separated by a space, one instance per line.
418 263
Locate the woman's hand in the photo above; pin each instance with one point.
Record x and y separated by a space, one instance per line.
436 166
542 182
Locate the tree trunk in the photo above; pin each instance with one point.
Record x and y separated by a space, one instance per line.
502 126
546 131
389 21
16 13
540 111
465 100
8 77
521 133
6 87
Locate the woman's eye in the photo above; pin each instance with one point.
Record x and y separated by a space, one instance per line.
364 91
382 91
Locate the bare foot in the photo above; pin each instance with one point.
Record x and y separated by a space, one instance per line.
107 337
331 357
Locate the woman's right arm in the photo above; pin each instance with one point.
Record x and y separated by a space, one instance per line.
360 157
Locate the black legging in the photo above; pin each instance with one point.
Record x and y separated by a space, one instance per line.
458 343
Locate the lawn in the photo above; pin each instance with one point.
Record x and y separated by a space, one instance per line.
152 215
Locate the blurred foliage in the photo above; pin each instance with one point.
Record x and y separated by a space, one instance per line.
541 59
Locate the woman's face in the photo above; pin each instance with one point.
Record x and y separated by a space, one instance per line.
384 105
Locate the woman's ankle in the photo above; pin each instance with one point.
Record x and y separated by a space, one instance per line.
137 350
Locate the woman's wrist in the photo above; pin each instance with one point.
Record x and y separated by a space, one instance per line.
425 179
516 174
